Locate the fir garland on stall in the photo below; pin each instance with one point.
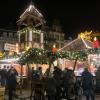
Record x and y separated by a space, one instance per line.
41 56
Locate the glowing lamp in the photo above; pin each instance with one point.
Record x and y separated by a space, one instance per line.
1 54
95 43
17 48
54 49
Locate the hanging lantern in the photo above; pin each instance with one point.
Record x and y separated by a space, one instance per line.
95 43
54 49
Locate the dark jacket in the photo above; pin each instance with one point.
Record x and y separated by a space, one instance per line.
11 81
87 80
68 77
51 86
58 76
3 73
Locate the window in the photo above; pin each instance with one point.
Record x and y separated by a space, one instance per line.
57 36
22 38
36 38
62 44
10 34
57 45
1 34
7 34
61 37
4 34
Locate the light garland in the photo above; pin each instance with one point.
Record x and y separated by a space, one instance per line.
7 55
35 55
33 31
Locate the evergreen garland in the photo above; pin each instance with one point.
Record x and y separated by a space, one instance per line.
41 56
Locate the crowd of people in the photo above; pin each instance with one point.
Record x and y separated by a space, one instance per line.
8 80
58 84
64 84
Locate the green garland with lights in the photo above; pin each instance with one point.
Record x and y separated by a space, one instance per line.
41 56
93 51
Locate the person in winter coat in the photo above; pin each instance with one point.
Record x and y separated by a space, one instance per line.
88 84
68 83
78 89
11 83
51 88
57 74
3 74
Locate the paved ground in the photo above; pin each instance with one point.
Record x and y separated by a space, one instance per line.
27 94
97 97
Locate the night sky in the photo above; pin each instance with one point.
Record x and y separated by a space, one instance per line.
75 17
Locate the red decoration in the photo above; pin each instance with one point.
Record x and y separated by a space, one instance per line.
95 43
54 50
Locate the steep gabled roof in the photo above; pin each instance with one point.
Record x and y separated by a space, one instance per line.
77 45
31 12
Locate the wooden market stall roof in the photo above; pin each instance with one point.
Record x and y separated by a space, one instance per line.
32 14
77 45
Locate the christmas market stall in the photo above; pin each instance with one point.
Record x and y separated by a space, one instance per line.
89 43
77 45
10 59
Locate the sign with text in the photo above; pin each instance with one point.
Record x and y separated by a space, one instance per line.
10 47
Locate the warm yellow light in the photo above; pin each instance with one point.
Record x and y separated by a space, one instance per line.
54 46
85 35
27 48
95 39
10 53
1 54
17 48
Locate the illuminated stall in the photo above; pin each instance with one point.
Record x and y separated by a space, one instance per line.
10 56
79 44
13 62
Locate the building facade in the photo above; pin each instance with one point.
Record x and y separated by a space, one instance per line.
29 35
54 35
7 36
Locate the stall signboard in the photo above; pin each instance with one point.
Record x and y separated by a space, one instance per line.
10 47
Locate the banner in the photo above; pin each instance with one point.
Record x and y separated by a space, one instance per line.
10 47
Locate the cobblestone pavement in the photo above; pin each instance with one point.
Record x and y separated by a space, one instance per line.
97 97
26 94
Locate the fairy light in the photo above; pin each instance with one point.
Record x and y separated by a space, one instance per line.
85 43
31 7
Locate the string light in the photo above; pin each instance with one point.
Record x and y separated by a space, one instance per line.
41 56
